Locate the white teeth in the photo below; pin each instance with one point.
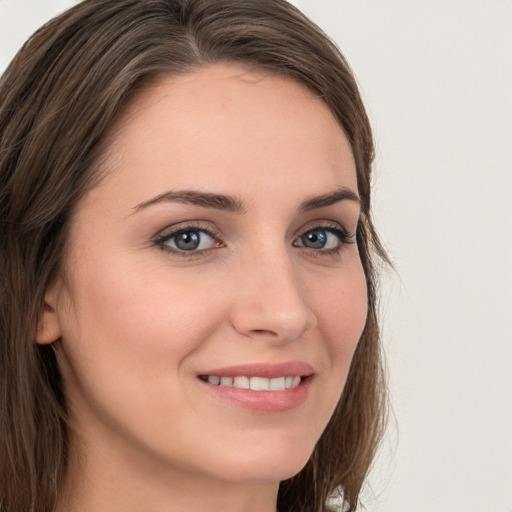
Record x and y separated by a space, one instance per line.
259 383
277 384
226 381
255 383
214 379
241 382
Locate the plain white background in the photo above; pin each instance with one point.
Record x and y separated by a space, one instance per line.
436 77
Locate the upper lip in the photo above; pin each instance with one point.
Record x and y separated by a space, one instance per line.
268 370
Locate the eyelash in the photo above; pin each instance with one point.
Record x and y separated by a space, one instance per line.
343 236
161 240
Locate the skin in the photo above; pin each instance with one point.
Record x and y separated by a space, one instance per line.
136 321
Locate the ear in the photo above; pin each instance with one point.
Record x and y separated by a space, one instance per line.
48 328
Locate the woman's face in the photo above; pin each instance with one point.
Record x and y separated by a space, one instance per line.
219 247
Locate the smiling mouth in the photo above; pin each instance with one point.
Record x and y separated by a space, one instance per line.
255 383
262 388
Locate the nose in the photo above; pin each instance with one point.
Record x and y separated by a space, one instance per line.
271 301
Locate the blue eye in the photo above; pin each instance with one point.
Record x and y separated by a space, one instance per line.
316 239
323 238
188 240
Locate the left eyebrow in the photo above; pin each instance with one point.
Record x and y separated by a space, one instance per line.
342 194
204 199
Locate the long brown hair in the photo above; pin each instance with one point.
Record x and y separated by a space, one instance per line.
58 97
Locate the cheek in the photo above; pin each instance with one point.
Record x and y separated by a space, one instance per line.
127 337
342 313
126 326
138 316
341 310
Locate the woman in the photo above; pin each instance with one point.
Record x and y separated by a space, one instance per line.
188 277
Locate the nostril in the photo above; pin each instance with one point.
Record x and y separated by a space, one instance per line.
264 331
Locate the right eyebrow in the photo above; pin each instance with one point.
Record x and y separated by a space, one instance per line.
205 199
341 194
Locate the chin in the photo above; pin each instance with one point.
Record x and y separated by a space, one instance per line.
264 463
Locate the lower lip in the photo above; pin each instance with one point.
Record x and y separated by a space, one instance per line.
263 401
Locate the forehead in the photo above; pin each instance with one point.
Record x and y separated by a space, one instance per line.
225 125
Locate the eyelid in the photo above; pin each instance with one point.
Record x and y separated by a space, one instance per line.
328 225
345 237
174 230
